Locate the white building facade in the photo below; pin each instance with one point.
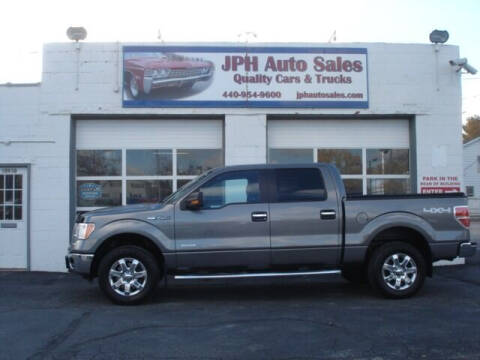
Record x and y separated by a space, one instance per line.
116 124
471 174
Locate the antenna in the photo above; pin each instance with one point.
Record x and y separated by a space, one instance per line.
333 37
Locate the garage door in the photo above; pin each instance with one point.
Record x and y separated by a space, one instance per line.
373 156
121 162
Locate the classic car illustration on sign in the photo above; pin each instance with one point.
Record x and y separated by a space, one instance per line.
145 72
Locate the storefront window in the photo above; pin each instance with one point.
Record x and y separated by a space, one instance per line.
347 161
130 176
361 169
99 162
149 162
388 186
180 183
290 156
147 191
388 161
93 193
353 186
197 161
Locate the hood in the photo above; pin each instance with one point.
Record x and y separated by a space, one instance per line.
162 63
122 210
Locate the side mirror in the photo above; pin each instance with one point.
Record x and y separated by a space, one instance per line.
194 201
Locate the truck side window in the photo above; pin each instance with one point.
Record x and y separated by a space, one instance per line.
239 187
303 184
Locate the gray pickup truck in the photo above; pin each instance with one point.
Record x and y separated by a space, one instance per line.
270 220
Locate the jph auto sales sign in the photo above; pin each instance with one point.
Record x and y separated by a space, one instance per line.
205 76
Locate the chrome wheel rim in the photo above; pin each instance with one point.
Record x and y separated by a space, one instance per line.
133 86
399 271
127 276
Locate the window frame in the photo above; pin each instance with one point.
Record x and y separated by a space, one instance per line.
274 192
263 181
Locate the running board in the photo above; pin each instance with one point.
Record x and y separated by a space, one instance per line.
254 275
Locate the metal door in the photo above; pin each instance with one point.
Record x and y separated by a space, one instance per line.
13 218
226 233
305 226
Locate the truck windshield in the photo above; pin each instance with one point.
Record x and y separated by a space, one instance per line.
185 188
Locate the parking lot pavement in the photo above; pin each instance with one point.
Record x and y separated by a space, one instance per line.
475 236
61 316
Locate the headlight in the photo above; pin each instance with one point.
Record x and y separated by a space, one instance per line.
163 73
83 231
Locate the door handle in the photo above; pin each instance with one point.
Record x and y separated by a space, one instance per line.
328 214
259 216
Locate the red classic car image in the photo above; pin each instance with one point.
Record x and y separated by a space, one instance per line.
145 72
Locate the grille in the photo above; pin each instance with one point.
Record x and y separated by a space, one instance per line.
182 73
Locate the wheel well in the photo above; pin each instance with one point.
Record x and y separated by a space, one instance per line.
123 240
404 234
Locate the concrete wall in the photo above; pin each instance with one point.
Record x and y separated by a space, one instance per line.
404 79
471 173
28 136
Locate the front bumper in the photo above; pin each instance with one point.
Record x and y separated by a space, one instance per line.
467 249
79 263
150 83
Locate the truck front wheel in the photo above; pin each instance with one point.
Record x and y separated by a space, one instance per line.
128 274
396 270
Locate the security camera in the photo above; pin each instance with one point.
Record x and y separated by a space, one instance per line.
470 69
462 63
459 62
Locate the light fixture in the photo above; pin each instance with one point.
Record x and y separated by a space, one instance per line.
76 33
439 36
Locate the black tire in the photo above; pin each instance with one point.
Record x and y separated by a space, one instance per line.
377 274
146 263
355 275
132 86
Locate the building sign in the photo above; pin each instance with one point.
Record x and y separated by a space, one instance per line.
439 184
90 191
204 76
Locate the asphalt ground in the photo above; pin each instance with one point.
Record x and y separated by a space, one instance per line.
62 316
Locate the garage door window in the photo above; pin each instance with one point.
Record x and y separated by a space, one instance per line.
150 191
149 162
197 161
347 161
131 176
99 163
97 193
387 161
363 170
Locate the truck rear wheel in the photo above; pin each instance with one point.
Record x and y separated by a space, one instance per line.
396 270
128 274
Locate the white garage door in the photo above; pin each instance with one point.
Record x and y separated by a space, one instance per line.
121 162
373 156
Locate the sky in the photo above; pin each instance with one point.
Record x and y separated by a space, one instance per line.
26 25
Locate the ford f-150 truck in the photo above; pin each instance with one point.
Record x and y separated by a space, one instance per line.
270 220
